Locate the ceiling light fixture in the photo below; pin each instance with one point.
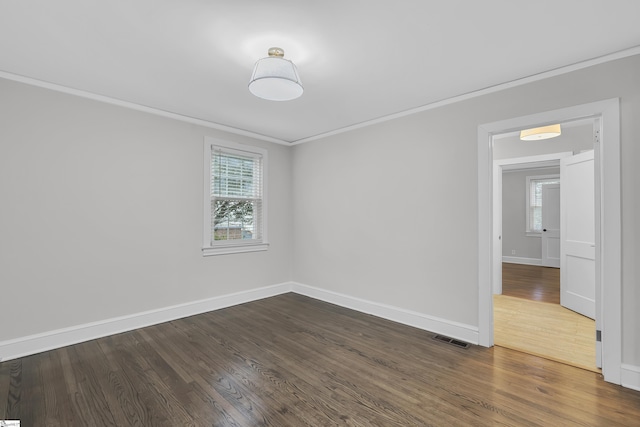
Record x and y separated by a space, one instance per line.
537 134
275 78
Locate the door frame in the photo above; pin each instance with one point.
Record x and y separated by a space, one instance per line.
608 220
499 166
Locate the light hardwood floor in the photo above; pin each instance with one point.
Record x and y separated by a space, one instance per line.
294 361
528 317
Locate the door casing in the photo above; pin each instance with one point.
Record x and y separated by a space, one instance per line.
499 166
608 220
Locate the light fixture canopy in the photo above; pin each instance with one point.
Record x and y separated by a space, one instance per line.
275 78
544 132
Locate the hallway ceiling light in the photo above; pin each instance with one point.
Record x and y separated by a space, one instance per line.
544 132
275 78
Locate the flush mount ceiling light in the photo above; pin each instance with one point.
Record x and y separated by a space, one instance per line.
544 132
275 78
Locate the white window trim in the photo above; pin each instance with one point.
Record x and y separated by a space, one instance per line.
527 207
231 247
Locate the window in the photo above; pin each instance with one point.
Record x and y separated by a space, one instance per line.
534 200
235 203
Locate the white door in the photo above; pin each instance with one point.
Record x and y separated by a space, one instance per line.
577 234
551 225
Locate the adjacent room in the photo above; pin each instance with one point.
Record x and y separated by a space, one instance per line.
288 214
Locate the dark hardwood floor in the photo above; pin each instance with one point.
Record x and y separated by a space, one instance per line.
531 282
294 361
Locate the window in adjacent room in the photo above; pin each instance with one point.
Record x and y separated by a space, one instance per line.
534 200
235 202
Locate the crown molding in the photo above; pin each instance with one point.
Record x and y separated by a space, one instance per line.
469 95
138 107
212 125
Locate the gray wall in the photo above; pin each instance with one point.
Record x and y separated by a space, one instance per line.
101 213
514 210
388 212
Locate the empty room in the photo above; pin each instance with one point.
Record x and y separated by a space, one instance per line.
291 213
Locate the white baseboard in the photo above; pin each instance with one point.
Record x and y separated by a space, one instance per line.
451 329
521 260
25 346
37 343
630 376
32 344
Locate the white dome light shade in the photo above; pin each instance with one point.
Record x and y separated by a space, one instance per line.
537 134
275 78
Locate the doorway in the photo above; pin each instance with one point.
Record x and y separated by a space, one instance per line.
607 182
528 315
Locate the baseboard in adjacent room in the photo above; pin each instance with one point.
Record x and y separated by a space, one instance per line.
32 344
460 331
522 260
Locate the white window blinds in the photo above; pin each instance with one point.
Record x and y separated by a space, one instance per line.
236 196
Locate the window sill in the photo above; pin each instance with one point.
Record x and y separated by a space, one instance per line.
533 234
234 249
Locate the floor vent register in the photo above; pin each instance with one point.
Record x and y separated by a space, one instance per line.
452 341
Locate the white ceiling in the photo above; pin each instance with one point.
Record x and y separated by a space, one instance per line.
359 60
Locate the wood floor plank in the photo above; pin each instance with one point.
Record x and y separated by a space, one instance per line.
31 401
119 385
5 382
159 408
89 377
14 392
58 406
295 361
